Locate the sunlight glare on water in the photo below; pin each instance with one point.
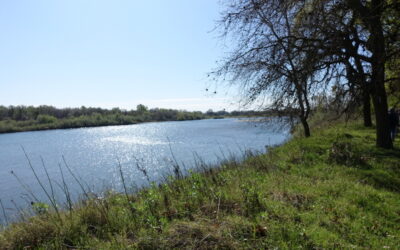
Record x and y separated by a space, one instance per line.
95 153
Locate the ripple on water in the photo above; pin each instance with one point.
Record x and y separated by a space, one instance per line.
94 153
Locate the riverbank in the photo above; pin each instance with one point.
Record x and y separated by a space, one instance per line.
50 122
29 118
333 190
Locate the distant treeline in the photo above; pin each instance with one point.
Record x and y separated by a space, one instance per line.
26 118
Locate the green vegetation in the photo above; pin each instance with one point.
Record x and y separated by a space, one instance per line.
333 190
28 118
21 118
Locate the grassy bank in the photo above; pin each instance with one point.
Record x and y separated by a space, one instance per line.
46 122
333 190
29 118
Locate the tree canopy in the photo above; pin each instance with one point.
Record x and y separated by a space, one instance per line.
295 52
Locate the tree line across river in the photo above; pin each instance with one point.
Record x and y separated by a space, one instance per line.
27 118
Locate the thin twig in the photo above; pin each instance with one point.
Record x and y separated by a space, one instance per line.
219 202
4 211
25 187
75 178
48 178
40 183
123 180
65 189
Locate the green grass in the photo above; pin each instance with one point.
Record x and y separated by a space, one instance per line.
333 190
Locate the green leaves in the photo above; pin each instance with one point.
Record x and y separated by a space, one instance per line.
40 208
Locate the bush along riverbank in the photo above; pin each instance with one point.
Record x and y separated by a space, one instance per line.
332 190
29 118
20 118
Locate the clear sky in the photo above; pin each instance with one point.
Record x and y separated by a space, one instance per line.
109 53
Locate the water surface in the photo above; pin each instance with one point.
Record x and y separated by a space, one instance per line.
94 153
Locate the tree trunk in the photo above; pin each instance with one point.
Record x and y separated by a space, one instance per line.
367 108
371 15
366 91
305 127
304 111
383 139
379 97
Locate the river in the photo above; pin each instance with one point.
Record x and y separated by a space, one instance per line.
94 154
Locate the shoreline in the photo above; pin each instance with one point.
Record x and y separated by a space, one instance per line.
93 126
249 119
283 199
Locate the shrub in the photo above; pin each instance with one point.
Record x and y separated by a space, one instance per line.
42 119
345 152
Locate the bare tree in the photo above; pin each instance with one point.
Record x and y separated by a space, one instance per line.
284 45
270 60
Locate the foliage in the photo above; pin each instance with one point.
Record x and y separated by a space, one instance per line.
23 118
40 208
43 119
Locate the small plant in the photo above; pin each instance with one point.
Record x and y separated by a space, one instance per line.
252 202
345 152
40 208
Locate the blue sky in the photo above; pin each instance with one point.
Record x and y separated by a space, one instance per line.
114 53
